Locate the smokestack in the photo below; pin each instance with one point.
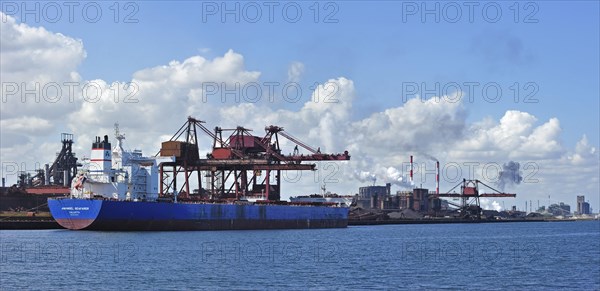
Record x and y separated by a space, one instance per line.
3 182
437 177
46 174
66 178
411 169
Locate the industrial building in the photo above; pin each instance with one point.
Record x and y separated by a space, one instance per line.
582 206
560 209
374 197
380 197
427 202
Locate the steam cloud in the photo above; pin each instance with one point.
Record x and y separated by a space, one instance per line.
387 175
365 176
394 176
510 175
490 205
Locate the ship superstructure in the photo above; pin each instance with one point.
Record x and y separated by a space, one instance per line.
115 173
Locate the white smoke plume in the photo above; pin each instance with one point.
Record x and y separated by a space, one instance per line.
365 176
394 176
490 205
428 156
386 175
510 175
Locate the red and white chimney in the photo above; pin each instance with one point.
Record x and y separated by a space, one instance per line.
437 177
411 170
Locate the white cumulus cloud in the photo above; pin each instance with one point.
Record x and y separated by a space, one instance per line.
295 71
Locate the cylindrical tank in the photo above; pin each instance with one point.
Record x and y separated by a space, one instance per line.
374 201
420 196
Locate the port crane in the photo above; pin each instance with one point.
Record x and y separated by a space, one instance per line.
470 196
240 164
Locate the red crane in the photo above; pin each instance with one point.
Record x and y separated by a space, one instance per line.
234 168
470 196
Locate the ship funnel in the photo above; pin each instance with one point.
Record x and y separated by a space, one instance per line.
101 157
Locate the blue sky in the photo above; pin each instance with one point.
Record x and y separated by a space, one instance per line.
372 44
549 50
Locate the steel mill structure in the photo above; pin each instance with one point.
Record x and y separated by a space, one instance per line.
59 173
239 166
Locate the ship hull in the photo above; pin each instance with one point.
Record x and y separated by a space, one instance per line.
91 214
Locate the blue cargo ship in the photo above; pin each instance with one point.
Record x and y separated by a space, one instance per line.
122 190
97 214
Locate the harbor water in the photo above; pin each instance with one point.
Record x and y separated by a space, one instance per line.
490 256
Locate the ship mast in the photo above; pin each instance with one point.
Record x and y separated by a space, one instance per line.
120 137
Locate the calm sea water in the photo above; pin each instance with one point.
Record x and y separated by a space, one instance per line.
504 256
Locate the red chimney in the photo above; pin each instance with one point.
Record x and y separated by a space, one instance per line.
437 177
411 169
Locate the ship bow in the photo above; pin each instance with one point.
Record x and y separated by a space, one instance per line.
74 213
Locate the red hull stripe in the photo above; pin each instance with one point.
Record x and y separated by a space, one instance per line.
75 223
